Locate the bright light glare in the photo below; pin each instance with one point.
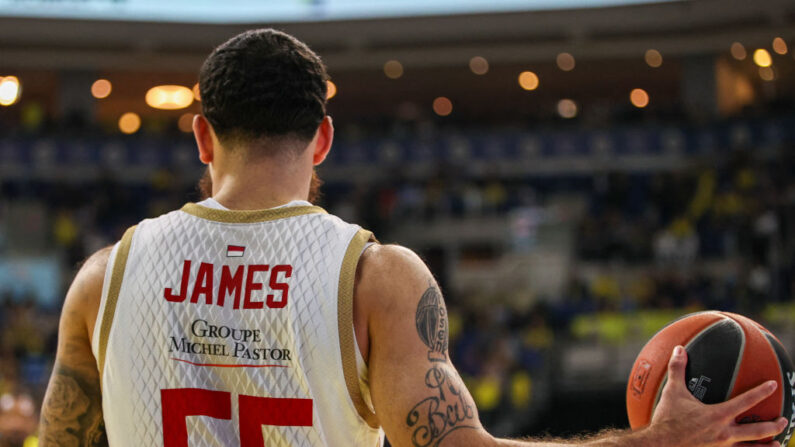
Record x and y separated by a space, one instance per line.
101 88
169 97
331 90
129 123
9 90
639 98
528 80
762 58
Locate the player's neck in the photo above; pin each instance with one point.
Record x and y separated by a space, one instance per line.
258 186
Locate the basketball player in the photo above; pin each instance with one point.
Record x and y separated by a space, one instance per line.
256 319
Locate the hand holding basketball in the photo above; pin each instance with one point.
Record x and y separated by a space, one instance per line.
684 420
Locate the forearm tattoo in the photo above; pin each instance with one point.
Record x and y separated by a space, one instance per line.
72 412
448 408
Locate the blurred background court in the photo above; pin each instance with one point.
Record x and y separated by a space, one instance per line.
576 173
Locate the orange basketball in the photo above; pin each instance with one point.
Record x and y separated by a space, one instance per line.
727 355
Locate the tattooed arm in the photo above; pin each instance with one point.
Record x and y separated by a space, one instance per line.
401 327
72 411
402 330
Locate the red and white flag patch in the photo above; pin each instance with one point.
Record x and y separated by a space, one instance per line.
235 251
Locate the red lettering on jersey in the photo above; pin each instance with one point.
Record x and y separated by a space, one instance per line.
251 286
204 284
231 284
258 411
177 404
183 287
281 286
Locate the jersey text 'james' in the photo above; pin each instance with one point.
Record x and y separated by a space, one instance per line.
232 284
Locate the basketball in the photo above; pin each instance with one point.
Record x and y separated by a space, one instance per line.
728 354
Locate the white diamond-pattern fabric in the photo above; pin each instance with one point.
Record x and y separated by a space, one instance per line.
145 354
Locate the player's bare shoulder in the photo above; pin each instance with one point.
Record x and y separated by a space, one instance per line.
85 294
386 264
386 271
386 277
93 268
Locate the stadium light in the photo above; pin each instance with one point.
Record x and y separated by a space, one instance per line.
767 74
10 90
528 80
566 61
762 58
738 51
479 65
393 69
169 97
101 88
129 123
780 46
442 106
185 122
567 108
653 58
639 98
331 90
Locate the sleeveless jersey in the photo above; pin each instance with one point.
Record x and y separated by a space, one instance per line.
233 328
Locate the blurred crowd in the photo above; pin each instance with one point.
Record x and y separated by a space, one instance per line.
27 345
714 234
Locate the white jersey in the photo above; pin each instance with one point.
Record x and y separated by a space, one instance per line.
234 328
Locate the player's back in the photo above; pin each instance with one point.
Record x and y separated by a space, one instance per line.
223 327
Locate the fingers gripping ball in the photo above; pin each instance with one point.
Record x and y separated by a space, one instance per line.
727 355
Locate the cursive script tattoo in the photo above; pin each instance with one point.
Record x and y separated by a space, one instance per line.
447 410
449 406
431 319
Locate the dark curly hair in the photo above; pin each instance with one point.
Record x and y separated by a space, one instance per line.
263 86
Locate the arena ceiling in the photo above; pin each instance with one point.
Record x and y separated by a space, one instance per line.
690 27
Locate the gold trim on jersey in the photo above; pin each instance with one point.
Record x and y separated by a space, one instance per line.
252 216
345 324
112 299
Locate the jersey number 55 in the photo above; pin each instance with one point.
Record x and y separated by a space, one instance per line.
255 412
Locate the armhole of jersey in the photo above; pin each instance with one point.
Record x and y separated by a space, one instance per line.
362 369
112 298
345 324
103 300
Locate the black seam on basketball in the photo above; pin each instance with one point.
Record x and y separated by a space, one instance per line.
783 377
781 372
702 331
696 314
687 316
739 360
706 380
696 337
692 339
